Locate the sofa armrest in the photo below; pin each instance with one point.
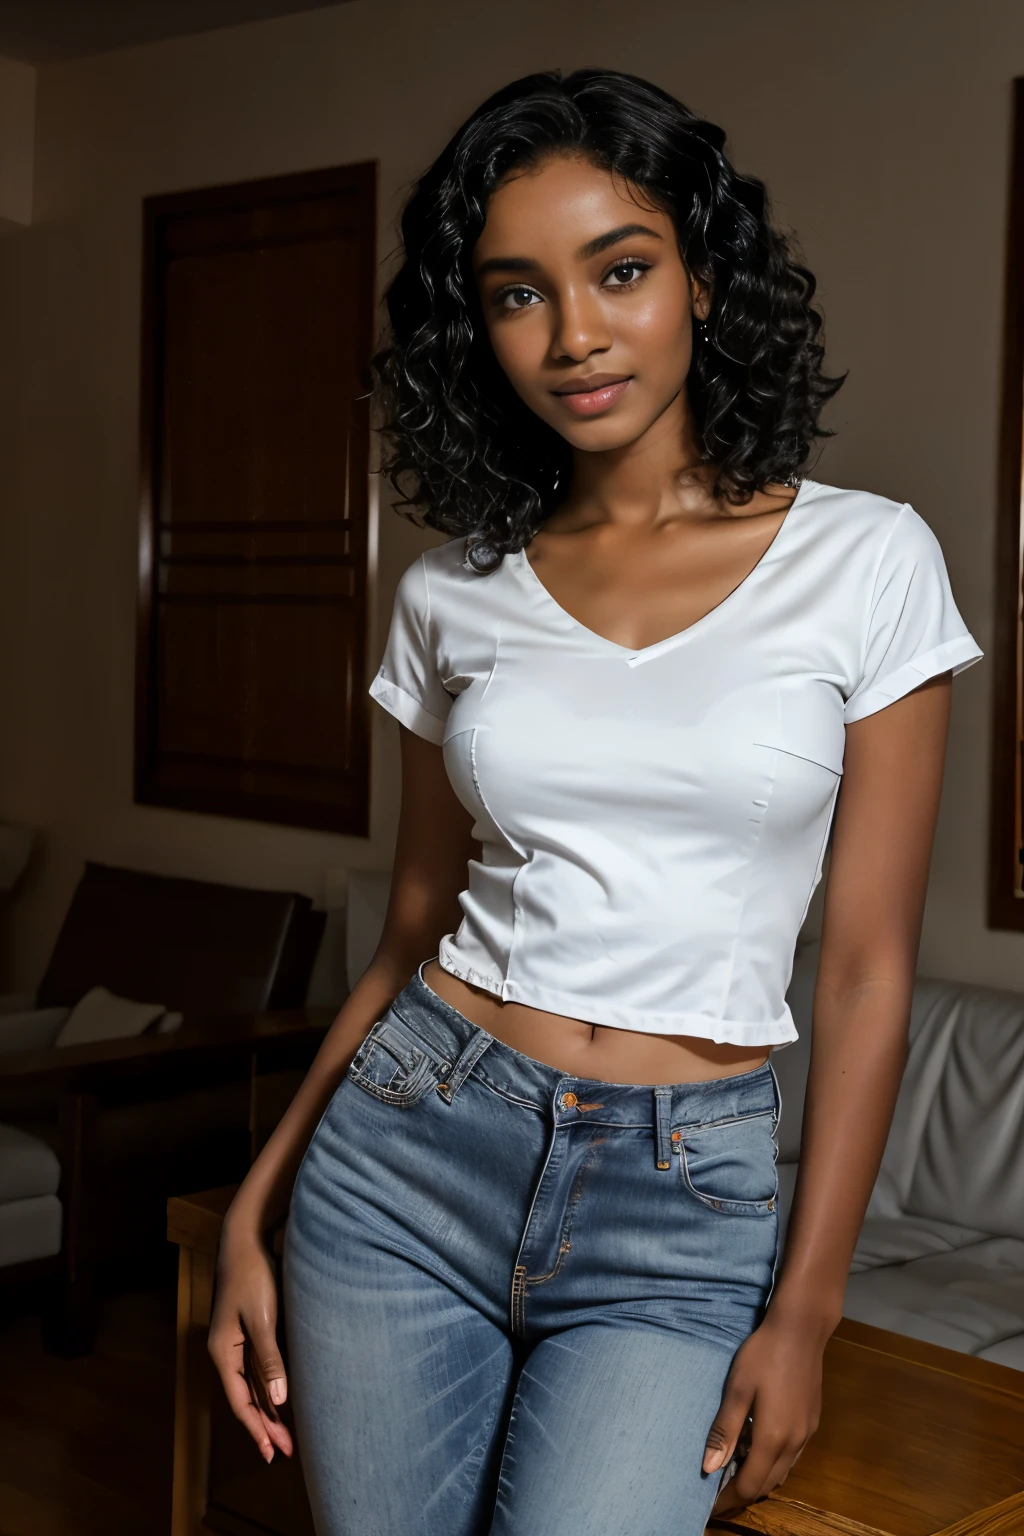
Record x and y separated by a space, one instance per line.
34 1030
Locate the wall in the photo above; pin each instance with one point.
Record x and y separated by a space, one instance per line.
882 130
17 121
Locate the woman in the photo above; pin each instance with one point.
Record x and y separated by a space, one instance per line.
530 1262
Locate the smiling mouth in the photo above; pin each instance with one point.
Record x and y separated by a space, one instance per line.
593 397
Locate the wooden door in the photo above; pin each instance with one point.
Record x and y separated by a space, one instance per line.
258 322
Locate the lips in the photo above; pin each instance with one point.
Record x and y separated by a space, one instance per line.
588 397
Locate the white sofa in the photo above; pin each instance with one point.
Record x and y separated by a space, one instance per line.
941 1253
31 1214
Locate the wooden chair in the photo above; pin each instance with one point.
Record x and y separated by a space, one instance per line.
133 1121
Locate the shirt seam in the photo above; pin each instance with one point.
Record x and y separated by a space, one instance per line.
869 609
431 639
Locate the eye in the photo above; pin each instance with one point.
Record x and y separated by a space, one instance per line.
627 267
502 297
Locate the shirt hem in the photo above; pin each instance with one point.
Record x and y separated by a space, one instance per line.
780 1031
951 656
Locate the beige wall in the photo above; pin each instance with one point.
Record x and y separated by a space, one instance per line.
17 120
882 130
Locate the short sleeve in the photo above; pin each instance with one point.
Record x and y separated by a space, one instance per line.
408 684
913 627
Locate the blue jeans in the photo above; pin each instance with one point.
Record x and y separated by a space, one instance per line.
512 1296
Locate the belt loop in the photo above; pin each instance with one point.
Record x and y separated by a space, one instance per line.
480 1042
663 1125
777 1114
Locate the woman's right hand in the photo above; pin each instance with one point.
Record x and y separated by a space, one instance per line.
242 1341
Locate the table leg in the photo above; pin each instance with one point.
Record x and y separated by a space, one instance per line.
193 1386
73 1331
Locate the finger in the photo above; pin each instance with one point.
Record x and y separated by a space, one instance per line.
229 1360
729 1421
764 1468
265 1371
267 1432
281 1436
239 1398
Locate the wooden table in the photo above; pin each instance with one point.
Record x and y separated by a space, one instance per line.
914 1440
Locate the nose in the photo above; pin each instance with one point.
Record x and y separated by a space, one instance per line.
580 325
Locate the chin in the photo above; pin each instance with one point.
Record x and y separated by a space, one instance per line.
602 434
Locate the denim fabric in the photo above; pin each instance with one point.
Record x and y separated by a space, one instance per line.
512 1296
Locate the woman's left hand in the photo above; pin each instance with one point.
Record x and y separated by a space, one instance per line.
776 1378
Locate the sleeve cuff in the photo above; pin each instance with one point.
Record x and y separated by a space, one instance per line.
407 710
951 656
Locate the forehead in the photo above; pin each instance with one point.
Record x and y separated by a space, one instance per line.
560 203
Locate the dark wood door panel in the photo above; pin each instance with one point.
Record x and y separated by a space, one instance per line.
258 327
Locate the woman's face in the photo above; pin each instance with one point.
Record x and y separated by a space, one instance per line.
587 302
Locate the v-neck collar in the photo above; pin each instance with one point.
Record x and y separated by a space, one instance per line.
634 657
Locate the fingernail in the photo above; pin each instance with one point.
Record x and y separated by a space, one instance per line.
268 1456
277 1390
712 1461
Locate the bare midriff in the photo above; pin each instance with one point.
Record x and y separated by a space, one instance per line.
598 1051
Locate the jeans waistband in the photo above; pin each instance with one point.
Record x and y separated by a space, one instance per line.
459 1047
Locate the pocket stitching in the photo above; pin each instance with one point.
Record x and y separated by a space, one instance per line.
728 1207
420 1074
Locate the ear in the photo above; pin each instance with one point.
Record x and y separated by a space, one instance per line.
700 300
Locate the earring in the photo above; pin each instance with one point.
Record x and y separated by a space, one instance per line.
704 332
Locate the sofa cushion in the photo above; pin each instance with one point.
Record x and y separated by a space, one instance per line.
971 1300
28 1167
35 1030
30 1229
957 1134
900 1241
1007 1352
102 1016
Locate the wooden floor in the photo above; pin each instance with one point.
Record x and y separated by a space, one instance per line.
86 1445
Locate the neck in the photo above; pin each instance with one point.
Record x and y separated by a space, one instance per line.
657 477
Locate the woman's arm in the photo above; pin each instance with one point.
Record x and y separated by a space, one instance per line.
874 906
433 848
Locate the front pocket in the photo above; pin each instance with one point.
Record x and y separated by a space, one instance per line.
392 1067
730 1166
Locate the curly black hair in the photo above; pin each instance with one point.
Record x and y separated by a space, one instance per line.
459 443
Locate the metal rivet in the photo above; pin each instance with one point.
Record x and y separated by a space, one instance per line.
771 1205
664 1165
567 1100
677 1135
717 1204
444 1089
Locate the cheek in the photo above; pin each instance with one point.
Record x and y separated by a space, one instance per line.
662 337
519 350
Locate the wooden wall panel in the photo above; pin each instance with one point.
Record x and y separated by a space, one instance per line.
258 316
1005 869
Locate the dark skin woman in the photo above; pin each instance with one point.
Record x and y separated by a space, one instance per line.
590 309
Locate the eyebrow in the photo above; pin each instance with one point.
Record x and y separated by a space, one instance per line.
584 253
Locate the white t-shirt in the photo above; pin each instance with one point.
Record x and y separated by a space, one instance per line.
654 821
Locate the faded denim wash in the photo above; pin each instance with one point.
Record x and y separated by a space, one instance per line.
512 1296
